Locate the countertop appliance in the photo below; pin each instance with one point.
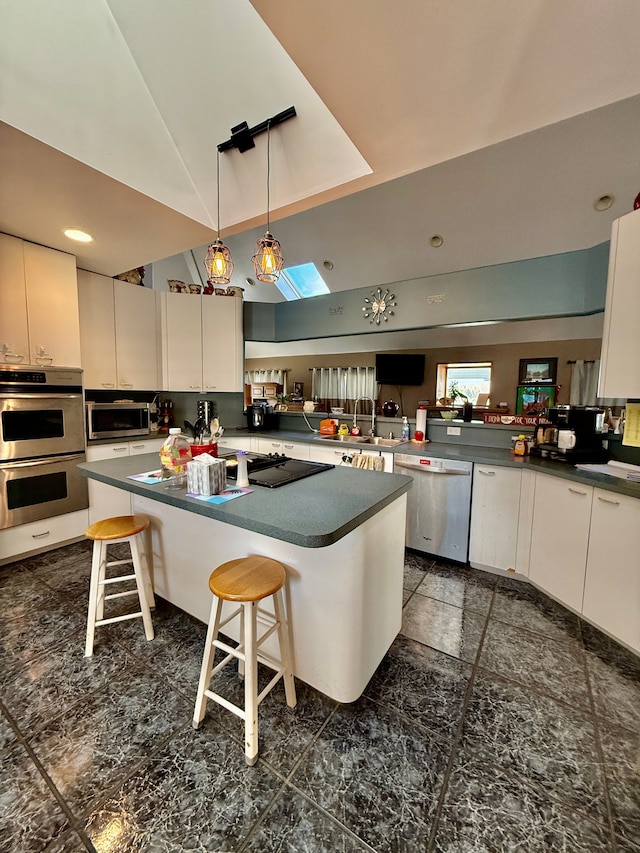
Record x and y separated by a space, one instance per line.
438 505
41 443
260 416
117 420
586 423
275 469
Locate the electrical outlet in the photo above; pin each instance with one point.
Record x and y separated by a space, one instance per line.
454 430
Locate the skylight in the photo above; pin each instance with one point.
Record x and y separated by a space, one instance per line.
301 282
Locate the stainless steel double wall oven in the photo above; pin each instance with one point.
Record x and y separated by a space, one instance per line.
41 443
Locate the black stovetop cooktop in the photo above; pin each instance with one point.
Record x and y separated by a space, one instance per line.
275 469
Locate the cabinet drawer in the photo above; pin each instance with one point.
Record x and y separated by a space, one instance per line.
41 535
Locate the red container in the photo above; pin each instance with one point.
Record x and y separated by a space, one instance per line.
197 449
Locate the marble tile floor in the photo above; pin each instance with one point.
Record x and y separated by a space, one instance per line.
497 722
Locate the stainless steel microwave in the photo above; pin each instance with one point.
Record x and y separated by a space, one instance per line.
117 420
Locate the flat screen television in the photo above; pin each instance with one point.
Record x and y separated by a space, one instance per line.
399 368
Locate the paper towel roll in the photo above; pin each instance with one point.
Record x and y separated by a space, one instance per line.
421 421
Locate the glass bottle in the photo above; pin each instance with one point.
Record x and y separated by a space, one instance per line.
175 453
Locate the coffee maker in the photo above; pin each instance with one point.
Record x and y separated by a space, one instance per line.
575 435
260 416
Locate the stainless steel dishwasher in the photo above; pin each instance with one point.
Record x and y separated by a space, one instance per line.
438 505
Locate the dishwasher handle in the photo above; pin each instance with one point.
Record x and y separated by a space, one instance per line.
434 466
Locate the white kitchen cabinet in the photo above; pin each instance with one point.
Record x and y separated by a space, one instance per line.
559 538
620 357
137 337
107 501
202 343
42 535
97 330
495 511
222 344
612 586
182 339
248 443
14 331
292 449
118 334
328 453
38 305
146 445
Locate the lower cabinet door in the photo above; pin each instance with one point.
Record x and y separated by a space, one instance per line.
612 585
495 506
559 538
107 501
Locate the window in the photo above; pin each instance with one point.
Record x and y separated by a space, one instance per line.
468 380
300 282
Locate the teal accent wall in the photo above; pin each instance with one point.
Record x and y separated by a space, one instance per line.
568 284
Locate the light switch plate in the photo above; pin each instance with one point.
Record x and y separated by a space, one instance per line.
454 430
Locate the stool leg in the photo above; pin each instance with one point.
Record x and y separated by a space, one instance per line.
285 649
250 683
102 573
93 598
241 635
144 542
207 662
140 583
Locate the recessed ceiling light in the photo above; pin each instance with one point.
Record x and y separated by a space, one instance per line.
604 202
328 265
250 281
436 241
78 235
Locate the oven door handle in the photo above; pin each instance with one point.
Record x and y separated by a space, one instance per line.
35 463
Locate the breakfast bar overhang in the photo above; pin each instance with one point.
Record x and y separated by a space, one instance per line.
339 534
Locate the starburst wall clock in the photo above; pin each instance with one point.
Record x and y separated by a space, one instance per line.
379 306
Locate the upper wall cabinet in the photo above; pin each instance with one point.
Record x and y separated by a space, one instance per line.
203 347
119 334
38 305
620 361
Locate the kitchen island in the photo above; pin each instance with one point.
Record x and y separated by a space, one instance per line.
340 535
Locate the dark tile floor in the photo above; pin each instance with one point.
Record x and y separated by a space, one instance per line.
497 722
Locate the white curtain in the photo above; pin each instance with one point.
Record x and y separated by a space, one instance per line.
258 377
341 384
584 383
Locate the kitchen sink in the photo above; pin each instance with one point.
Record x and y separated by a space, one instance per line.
355 439
364 439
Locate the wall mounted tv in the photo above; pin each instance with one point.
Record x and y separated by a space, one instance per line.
399 368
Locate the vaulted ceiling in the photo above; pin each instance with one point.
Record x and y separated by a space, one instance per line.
495 125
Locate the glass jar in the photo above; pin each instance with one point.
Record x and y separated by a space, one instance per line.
175 453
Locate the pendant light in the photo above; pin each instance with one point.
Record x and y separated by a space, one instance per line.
268 259
218 261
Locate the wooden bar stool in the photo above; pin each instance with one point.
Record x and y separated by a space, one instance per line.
109 531
247 581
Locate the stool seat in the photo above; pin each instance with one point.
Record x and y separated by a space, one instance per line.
111 531
245 582
118 527
247 579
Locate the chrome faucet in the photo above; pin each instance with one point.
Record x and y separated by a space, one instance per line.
372 431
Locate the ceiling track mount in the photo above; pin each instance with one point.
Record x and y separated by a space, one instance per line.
242 135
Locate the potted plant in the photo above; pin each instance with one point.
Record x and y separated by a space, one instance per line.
467 407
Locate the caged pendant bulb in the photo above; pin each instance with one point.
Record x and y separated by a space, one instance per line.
218 263
268 259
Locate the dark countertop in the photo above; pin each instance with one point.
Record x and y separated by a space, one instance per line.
314 512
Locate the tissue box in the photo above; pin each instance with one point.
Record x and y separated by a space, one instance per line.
206 475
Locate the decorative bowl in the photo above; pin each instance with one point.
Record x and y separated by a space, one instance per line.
337 410
448 416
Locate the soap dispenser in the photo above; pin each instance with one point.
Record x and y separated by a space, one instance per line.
405 429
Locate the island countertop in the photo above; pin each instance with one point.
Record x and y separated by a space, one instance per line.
314 512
